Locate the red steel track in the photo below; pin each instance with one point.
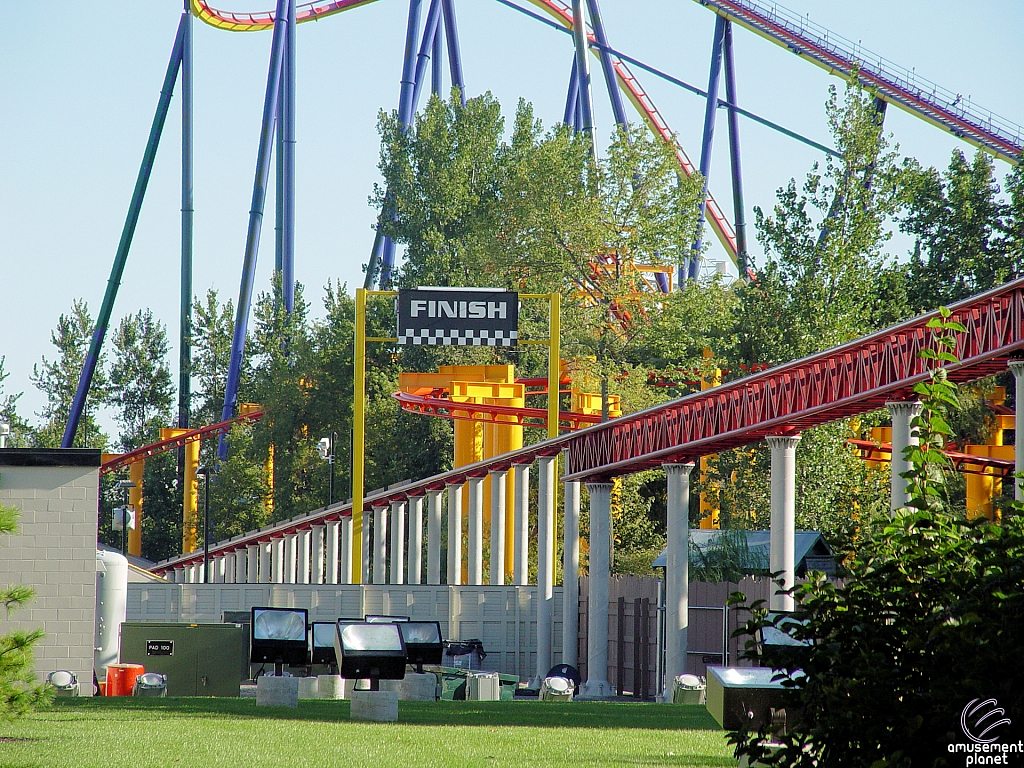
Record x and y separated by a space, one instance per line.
852 379
170 444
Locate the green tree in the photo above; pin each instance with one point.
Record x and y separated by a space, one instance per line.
58 380
825 270
21 432
140 379
19 691
958 221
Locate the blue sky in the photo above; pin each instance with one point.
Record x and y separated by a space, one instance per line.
79 83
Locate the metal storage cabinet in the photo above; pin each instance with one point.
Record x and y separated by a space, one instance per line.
198 659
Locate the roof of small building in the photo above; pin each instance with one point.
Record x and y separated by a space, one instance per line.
806 544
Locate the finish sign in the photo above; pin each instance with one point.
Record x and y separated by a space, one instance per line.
458 317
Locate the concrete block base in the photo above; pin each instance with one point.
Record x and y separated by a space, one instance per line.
378 706
415 687
597 690
277 691
331 686
309 688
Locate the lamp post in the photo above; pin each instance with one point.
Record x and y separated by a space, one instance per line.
326 448
205 473
124 485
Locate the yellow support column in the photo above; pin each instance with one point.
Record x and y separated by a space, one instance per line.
190 493
358 436
136 471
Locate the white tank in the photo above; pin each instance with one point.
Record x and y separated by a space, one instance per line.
111 608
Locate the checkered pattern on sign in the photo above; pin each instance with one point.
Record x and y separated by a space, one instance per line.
458 338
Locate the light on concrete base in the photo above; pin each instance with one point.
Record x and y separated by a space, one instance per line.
378 706
277 691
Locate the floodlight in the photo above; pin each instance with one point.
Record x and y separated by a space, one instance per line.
322 643
777 644
279 636
372 618
324 448
65 683
423 642
374 651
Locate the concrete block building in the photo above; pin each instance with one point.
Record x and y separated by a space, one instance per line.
53 552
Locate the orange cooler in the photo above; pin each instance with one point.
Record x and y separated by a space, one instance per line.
121 678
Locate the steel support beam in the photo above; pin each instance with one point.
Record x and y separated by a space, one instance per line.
739 211
710 110
252 239
127 233
608 66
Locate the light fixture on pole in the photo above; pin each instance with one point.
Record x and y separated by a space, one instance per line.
124 517
326 448
205 472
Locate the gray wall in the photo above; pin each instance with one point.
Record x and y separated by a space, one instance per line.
54 553
503 618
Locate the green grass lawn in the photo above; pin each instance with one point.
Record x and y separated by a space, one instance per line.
203 733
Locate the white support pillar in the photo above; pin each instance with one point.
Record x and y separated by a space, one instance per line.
571 575
521 540
331 552
433 537
240 565
783 517
277 569
415 554
455 534
252 564
1017 368
597 685
345 551
266 562
179 575
365 561
397 563
291 557
677 578
302 551
380 545
545 565
316 555
902 414
218 569
229 567
497 560
475 555
190 574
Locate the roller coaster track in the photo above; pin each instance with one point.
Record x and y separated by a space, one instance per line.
162 446
891 82
855 378
560 12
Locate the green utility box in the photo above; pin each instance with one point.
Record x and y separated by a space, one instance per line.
198 659
453 683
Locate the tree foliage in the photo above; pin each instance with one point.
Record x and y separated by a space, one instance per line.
927 621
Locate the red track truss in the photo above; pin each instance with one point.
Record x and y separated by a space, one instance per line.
176 442
852 379
966 463
855 378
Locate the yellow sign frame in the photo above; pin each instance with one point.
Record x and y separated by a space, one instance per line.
553 343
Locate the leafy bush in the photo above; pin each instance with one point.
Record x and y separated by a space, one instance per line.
928 620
